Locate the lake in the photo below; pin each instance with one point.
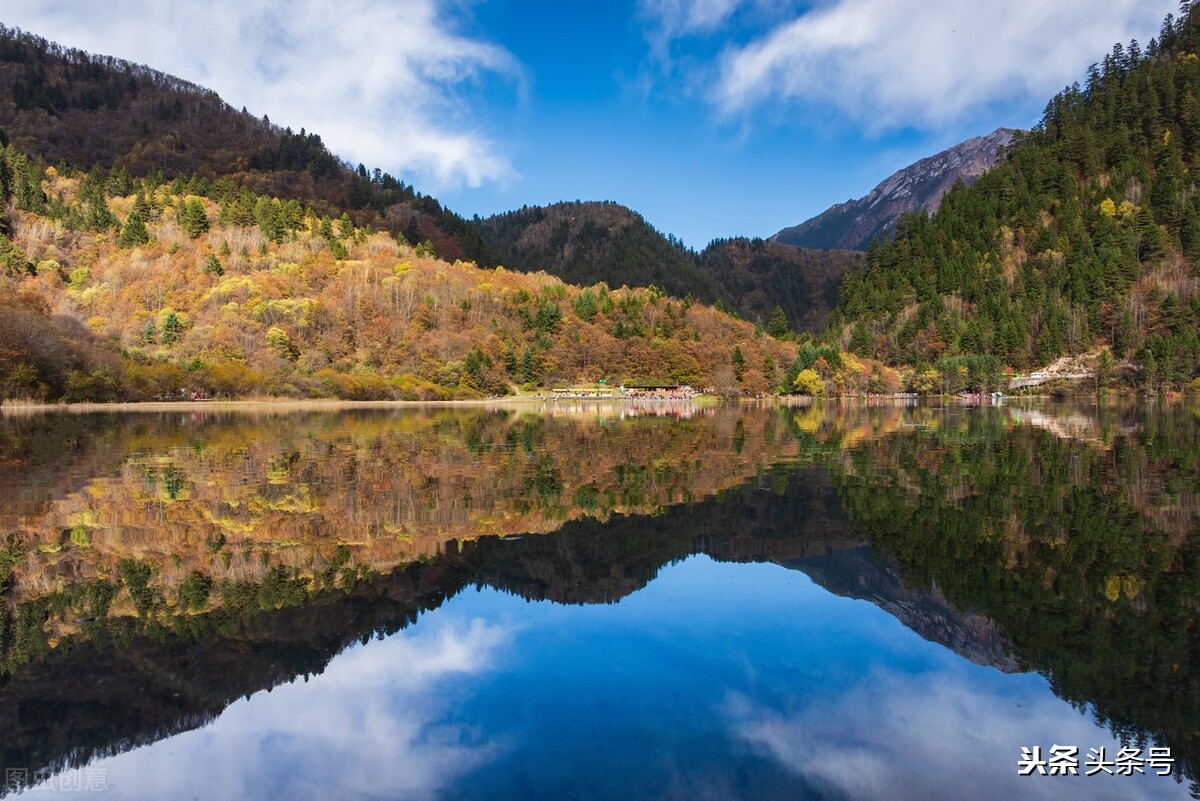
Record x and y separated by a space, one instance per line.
589 600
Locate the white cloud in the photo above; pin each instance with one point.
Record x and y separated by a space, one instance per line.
924 63
382 83
378 723
911 737
680 17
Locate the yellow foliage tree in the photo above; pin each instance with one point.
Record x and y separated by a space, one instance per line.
809 383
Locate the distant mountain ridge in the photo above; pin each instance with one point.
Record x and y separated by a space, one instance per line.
853 224
585 243
590 242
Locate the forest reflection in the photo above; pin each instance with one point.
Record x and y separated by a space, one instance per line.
190 558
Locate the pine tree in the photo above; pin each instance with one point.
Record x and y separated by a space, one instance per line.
99 216
172 329
777 326
192 218
134 232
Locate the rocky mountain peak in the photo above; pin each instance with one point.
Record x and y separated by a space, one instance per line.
852 225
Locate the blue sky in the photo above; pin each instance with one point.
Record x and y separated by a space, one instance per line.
710 117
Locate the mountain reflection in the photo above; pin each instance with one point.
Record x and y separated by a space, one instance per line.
156 568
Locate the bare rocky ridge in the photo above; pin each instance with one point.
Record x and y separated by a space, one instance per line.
852 225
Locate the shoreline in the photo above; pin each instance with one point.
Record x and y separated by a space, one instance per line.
317 404
260 404
507 402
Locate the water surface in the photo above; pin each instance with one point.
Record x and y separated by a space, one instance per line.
838 602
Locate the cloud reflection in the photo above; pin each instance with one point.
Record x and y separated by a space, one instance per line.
372 725
916 737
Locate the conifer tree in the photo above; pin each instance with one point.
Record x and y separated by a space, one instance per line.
777 326
192 218
134 232
172 329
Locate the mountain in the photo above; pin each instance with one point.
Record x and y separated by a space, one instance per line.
918 187
115 288
153 239
857 573
64 105
605 241
596 241
76 110
1084 240
757 276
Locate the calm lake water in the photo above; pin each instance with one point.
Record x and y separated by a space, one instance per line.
593 601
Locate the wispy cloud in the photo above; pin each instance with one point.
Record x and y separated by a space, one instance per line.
886 64
900 737
383 83
378 723
680 17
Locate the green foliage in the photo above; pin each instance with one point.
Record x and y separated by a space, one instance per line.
738 360
861 341
971 373
1104 369
172 329
14 262
279 341
777 326
135 576
192 218
586 305
194 591
134 232
99 216
548 316
212 266
583 243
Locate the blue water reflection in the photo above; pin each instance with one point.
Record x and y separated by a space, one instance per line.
716 680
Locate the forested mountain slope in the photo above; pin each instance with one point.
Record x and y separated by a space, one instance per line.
1086 237
61 104
596 241
605 241
68 107
113 287
758 276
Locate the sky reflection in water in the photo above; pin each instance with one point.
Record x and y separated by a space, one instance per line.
715 681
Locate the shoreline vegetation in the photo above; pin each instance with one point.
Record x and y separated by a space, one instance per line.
285 404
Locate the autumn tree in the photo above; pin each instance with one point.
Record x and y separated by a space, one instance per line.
809 383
